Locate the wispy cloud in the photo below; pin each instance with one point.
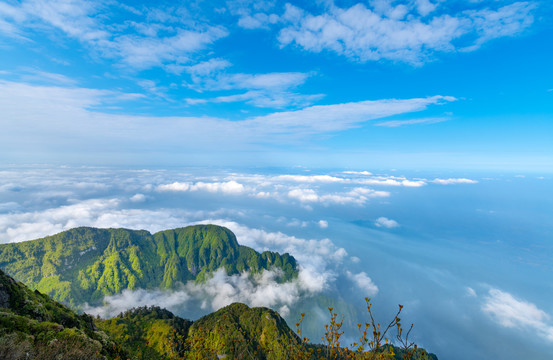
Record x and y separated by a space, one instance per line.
76 121
398 123
162 38
511 312
261 90
38 76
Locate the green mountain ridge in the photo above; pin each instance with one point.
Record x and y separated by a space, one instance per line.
83 265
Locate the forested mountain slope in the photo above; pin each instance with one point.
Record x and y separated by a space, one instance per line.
85 264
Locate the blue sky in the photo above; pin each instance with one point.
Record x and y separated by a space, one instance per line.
419 83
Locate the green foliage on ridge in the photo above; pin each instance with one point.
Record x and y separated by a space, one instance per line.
86 264
148 333
33 326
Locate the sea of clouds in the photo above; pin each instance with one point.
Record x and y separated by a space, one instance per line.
354 234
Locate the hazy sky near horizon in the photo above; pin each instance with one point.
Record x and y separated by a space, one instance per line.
410 84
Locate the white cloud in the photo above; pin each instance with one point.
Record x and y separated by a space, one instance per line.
385 222
218 291
207 68
228 187
391 181
364 282
161 38
400 32
101 213
356 196
176 186
310 178
138 198
398 123
511 312
304 195
253 14
451 181
76 125
257 21
142 52
31 225
358 172
298 223
364 193
323 224
269 99
263 90
74 17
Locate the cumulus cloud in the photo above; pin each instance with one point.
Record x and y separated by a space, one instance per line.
364 282
310 178
357 196
511 312
358 172
451 181
229 187
392 181
410 33
17 227
138 198
323 224
176 186
386 223
101 213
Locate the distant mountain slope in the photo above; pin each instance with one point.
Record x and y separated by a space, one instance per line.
85 264
33 326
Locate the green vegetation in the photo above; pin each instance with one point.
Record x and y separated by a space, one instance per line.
148 333
33 326
239 332
85 264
